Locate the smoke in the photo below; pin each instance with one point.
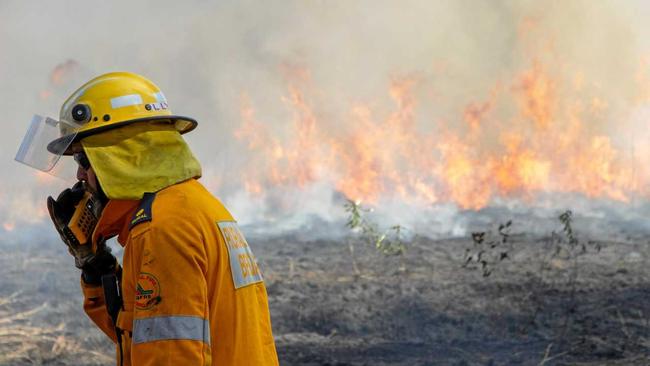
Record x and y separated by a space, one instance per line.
296 60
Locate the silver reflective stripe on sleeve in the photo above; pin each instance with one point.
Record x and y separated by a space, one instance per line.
171 327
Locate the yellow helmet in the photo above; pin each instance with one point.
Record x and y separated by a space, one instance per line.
110 101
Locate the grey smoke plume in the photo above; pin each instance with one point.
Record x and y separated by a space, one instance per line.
207 55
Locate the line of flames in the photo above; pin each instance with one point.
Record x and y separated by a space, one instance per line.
546 145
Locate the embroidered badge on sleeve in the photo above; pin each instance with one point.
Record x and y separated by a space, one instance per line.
147 291
242 262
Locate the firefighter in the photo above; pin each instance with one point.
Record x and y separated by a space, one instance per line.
188 291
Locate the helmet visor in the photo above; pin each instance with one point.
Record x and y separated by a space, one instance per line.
44 143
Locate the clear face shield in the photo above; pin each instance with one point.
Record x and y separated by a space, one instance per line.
76 210
46 140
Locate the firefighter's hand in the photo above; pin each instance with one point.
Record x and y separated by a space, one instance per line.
61 211
102 262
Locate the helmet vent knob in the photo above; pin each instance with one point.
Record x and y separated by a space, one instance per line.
81 113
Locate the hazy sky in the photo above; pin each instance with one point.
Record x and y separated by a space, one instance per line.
205 55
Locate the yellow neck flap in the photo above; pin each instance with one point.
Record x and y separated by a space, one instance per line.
139 158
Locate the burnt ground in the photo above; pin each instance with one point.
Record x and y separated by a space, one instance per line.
423 308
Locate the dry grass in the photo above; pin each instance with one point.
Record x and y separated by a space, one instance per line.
41 320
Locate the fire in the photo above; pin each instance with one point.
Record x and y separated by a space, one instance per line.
537 97
62 71
465 181
59 75
543 145
520 168
9 226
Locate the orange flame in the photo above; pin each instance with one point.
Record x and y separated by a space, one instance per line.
545 147
59 75
62 71
9 226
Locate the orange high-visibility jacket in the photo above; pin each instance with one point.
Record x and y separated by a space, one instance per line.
192 292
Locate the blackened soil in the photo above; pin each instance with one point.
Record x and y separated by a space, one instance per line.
423 308
426 309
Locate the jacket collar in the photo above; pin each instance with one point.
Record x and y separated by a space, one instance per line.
115 220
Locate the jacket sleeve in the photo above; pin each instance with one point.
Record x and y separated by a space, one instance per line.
95 308
170 318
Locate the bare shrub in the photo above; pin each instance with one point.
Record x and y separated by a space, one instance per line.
488 251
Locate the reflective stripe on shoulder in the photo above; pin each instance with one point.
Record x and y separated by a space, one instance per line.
171 327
